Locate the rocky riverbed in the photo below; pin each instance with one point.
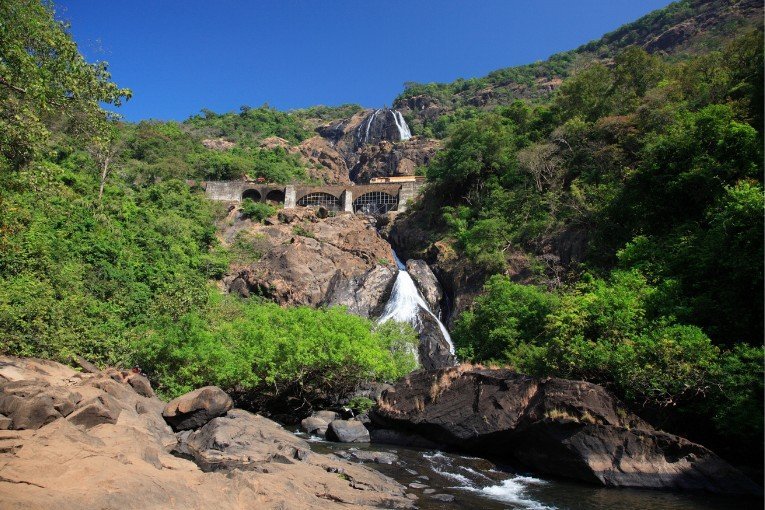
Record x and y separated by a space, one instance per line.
102 439
74 440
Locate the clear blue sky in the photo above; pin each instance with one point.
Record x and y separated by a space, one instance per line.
182 56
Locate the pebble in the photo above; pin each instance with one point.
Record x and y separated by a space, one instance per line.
446 498
415 485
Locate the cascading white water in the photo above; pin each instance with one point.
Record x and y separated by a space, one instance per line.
405 303
369 124
403 128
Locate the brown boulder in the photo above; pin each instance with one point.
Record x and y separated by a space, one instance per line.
194 409
572 429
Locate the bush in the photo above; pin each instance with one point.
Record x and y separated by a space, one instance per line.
257 211
260 351
607 332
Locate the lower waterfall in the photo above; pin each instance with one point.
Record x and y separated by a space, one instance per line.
405 303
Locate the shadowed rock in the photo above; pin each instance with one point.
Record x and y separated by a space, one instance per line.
572 429
347 431
194 409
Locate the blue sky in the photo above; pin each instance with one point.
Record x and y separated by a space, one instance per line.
180 57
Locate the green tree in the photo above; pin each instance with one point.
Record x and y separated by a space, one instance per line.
44 79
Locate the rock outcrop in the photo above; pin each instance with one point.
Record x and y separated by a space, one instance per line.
434 350
307 260
238 461
565 428
426 283
386 158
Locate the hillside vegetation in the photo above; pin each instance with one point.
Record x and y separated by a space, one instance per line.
658 167
681 30
107 253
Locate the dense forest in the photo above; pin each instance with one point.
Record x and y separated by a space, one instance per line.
655 162
658 165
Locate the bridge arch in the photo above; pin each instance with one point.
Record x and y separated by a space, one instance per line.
375 202
252 194
320 199
275 196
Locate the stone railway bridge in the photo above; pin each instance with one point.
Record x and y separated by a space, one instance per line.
374 198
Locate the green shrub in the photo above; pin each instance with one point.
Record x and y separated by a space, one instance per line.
252 348
257 211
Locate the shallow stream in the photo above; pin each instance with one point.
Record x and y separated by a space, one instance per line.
480 484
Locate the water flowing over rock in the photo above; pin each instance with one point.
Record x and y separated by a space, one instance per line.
427 284
371 143
565 428
383 124
407 305
236 461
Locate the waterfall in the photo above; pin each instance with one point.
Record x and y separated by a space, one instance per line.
406 301
362 131
403 128
369 124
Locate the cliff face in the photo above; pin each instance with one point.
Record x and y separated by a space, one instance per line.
311 260
371 143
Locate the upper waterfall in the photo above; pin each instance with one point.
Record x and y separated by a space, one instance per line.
382 124
403 128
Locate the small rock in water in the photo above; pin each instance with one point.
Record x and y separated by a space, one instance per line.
429 491
446 498
423 477
347 431
416 485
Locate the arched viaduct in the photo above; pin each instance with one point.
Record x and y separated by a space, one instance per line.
370 198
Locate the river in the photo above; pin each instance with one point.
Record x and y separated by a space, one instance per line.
477 483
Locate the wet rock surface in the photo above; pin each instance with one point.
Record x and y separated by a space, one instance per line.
235 461
565 428
347 431
426 283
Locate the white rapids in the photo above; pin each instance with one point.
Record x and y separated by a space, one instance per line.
406 301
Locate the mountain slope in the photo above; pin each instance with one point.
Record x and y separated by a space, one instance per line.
680 30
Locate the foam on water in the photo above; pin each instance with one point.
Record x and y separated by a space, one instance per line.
513 490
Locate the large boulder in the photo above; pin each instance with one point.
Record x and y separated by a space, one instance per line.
566 428
194 409
243 440
347 431
363 295
318 422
